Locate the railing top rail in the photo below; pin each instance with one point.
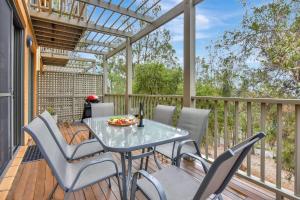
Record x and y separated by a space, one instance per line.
232 99
256 100
158 95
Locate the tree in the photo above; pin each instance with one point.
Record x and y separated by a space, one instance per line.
155 78
154 47
269 35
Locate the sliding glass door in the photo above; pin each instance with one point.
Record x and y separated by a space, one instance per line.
6 89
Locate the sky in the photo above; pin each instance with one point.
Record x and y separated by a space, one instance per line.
213 17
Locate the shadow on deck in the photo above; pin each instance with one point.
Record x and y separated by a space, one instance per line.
34 180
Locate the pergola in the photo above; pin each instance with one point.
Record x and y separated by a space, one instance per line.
106 27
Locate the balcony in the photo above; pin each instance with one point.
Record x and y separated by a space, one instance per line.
59 76
35 181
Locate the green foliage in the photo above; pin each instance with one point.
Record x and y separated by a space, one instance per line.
155 78
51 110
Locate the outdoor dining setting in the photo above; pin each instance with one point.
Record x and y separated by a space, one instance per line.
126 135
149 99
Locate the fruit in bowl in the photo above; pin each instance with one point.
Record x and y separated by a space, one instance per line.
121 121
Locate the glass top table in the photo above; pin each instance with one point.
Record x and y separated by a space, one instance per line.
130 138
124 140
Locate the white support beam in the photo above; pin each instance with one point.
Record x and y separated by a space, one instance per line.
165 18
104 44
46 17
189 53
118 9
90 51
128 74
105 75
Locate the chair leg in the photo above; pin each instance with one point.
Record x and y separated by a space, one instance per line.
119 185
218 197
156 161
52 192
109 183
67 195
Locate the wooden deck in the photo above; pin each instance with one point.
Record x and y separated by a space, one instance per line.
34 180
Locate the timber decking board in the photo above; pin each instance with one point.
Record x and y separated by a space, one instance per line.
34 180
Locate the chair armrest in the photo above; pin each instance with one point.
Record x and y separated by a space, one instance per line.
200 159
76 133
181 144
79 145
89 164
152 180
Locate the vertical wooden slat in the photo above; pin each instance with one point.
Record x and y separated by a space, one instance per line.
249 133
50 6
262 147
297 152
236 122
225 125
279 149
61 8
206 138
71 11
216 135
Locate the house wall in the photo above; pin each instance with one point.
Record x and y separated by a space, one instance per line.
28 31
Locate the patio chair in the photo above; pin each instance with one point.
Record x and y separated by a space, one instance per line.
173 183
164 114
70 176
102 109
70 151
193 120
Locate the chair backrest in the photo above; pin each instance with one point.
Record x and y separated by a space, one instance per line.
55 132
49 149
164 114
102 109
195 121
224 167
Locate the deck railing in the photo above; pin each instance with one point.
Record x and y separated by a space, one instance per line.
52 51
62 7
234 119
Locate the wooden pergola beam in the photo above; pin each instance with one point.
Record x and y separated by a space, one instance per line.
118 9
95 43
165 18
90 51
46 17
189 52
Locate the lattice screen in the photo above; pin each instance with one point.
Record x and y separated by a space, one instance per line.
65 92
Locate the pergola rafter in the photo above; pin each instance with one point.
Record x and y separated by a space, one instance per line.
109 27
44 16
118 9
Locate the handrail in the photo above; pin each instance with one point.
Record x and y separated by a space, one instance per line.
257 100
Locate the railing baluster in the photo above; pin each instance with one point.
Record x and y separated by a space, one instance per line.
216 135
249 133
225 125
279 149
236 122
297 152
206 139
262 147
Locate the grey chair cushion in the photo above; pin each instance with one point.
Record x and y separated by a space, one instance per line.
166 149
91 174
177 184
195 121
102 109
164 114
92 146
